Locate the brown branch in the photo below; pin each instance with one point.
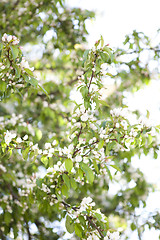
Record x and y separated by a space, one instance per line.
80 132
86 147
90 80
69 206
89 218
94 225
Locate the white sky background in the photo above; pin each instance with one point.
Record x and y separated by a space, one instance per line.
114 19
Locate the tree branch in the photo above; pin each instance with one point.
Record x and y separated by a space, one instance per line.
94 225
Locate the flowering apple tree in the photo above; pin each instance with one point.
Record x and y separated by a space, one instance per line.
59 156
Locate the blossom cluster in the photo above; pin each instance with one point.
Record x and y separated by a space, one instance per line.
87 202
11 123
24 64
10 39
13 66
110 236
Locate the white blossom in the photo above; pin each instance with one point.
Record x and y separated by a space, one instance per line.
19 140
47 145
3 168
35 147
54 142
4 38
25 64
117 125
112 236
8 137
78 158
84 117
93 236
9 38
25 137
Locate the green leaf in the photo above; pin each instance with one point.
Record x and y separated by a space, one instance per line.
69 224
95 166
78 230
29 72
98 216
105 56
3 86
88 172
102 41
100 144
109 173
44 160
15 231
18 71
84 91
108 50
149 139
42 88
14 51
65 190
66 180
133 226
103 103
33 81
82 220
116 167
68 165
155 155
109 74
80 173
25 153
85 55
39 182
73 183
7 218
38 134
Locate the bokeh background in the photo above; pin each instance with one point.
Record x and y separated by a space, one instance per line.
114 19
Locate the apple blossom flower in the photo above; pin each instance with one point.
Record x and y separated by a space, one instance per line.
8 137
25 137
9 38
4 38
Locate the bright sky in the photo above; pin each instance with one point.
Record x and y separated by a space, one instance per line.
115 19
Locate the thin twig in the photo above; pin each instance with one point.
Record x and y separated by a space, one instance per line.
94 225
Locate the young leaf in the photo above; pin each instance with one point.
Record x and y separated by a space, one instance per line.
66 180
78 230
14 51
100 144
65 190
44 160
116 167
73 183
69 224
29 72
42 88
25 153
109 173
33 81
88 172
68 165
